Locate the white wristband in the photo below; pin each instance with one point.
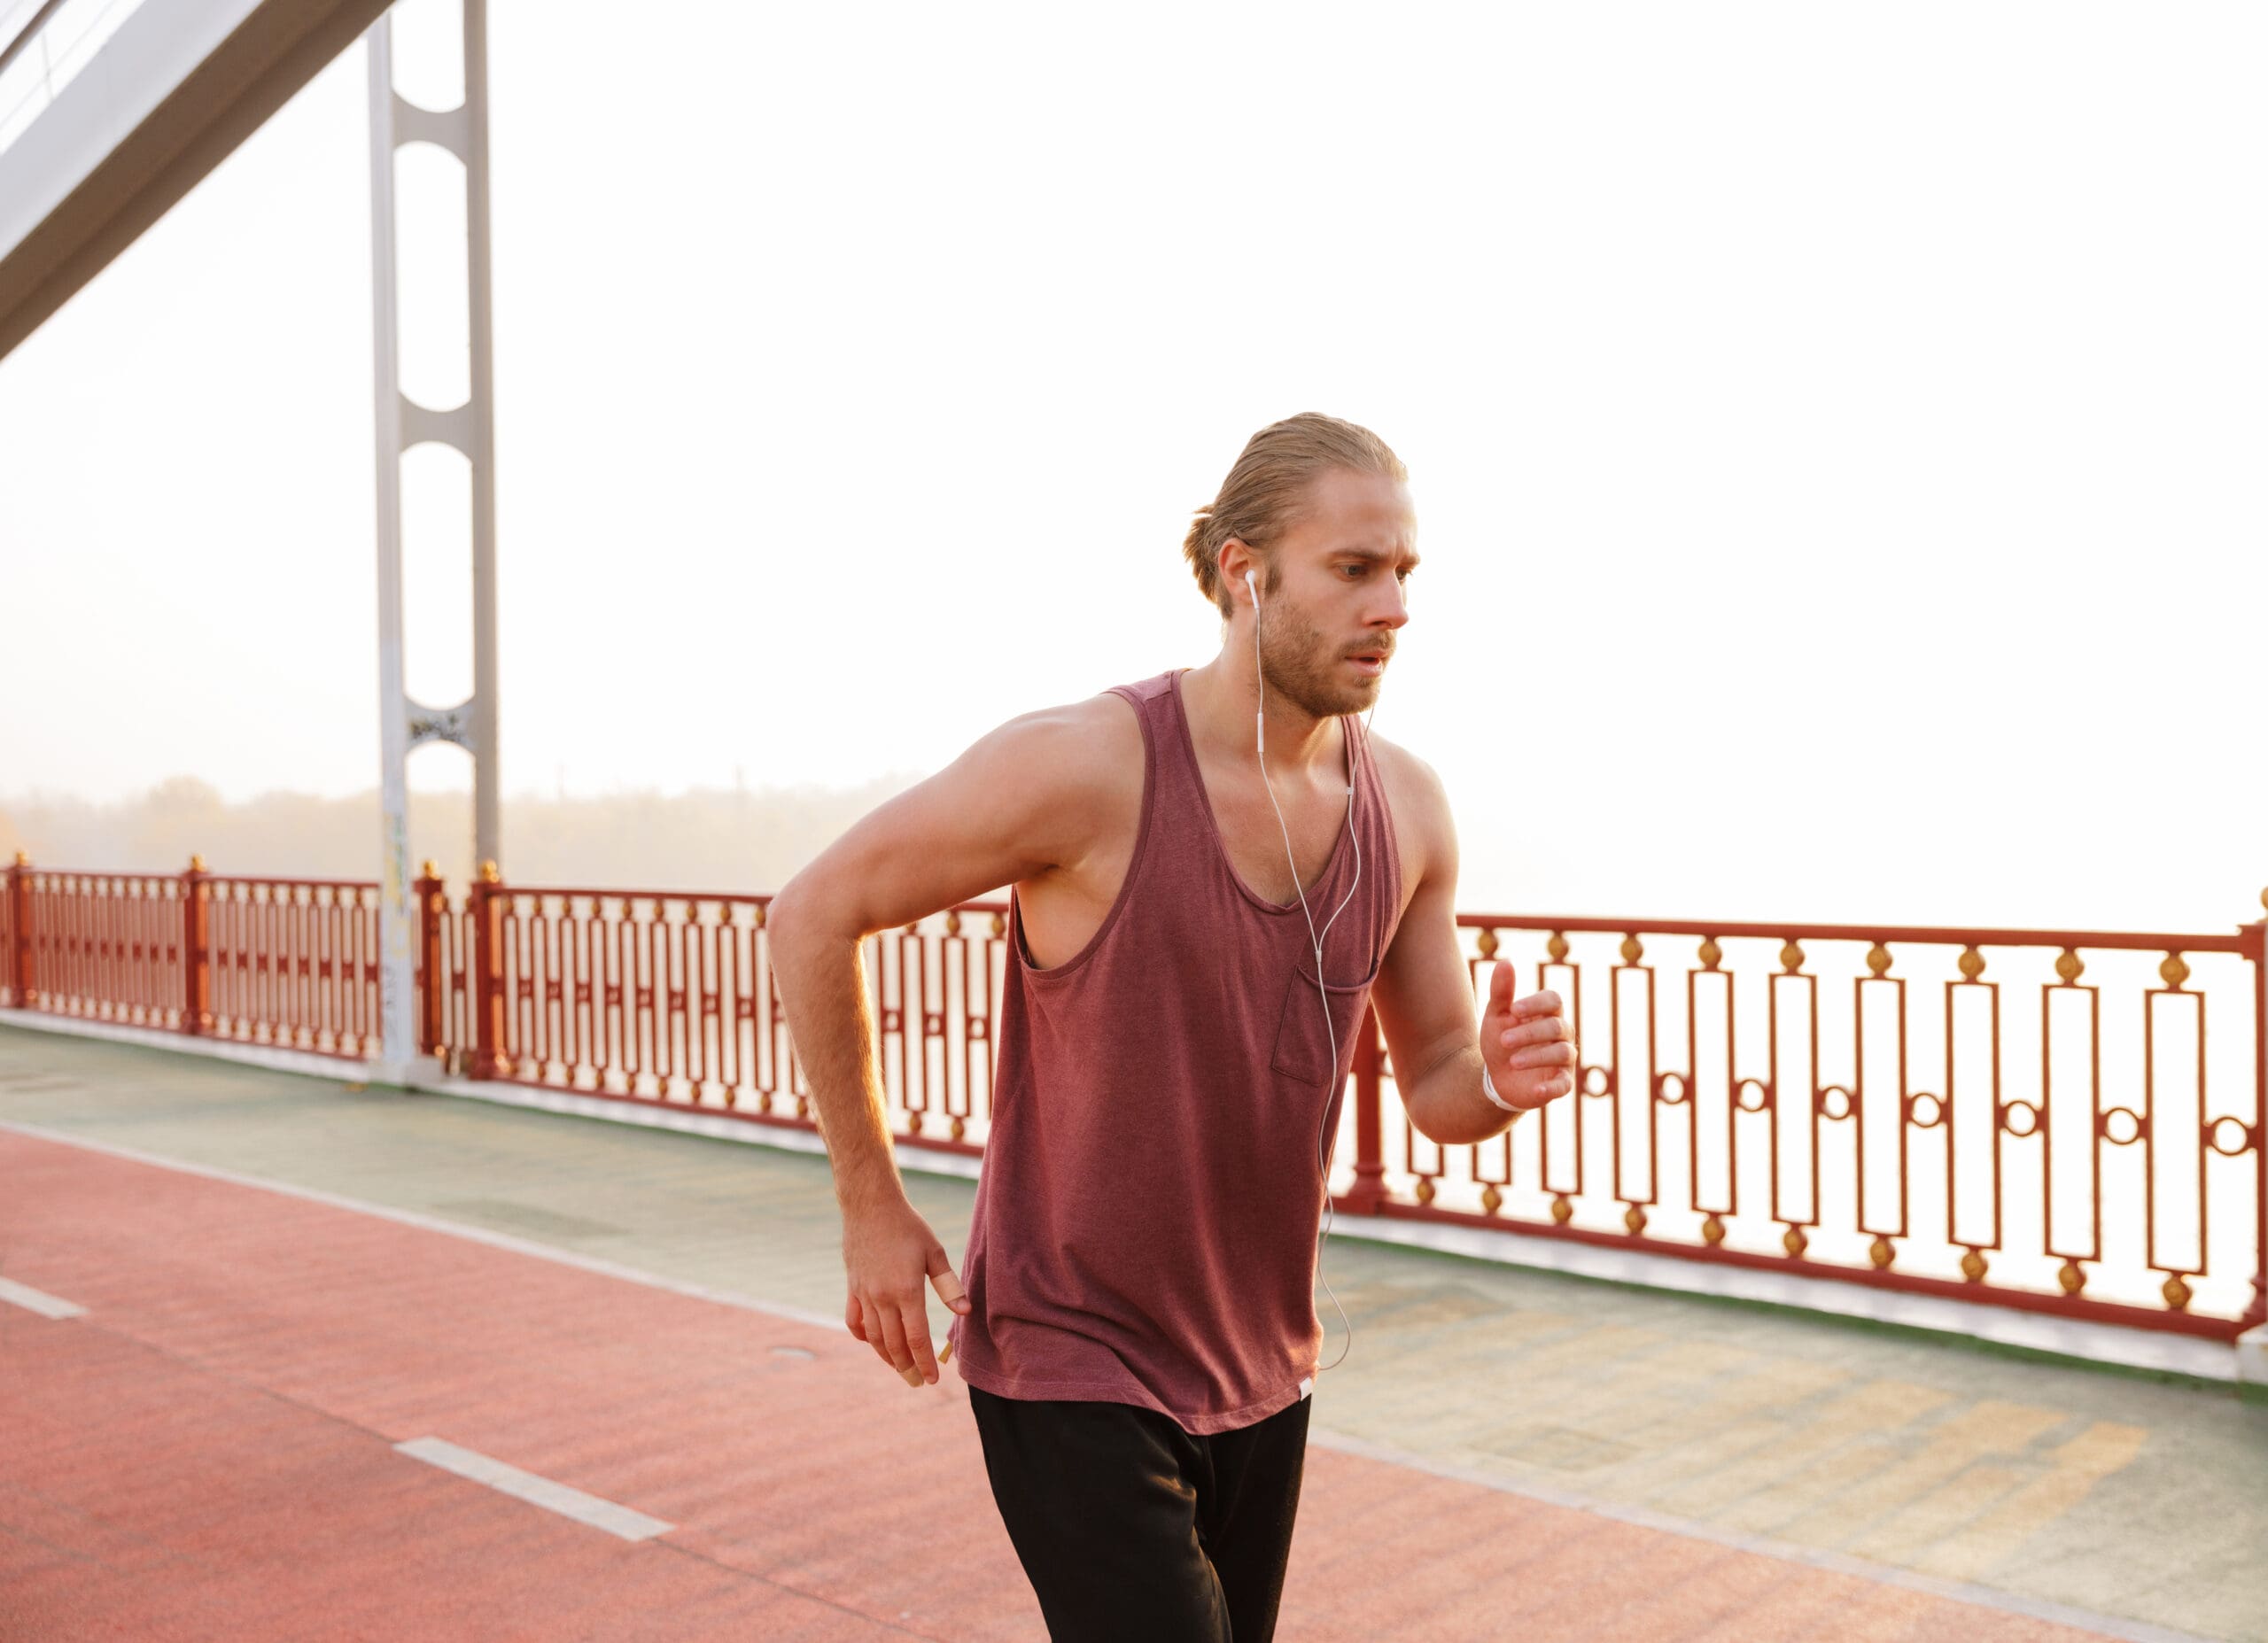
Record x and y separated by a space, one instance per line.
1490 1090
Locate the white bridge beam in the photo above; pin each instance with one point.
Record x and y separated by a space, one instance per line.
165 100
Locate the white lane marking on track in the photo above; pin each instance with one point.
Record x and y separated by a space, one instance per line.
551 1496
39 1300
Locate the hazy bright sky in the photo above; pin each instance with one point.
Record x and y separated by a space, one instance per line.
1836 431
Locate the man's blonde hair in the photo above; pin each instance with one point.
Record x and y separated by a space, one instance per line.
1262 495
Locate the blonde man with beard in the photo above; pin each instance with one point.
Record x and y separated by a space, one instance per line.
1213 871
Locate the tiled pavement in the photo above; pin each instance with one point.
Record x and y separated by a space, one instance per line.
1504 1453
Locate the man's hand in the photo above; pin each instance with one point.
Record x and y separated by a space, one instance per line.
887 1254
1526 1043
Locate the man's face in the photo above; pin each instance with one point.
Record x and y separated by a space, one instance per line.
1335 599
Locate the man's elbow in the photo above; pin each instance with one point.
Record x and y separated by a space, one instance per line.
806 906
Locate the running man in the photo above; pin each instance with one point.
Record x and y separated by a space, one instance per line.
1138 1330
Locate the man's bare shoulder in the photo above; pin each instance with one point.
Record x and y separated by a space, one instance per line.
1093 741
1083 760
1420 801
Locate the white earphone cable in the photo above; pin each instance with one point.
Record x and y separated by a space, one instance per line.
1315 940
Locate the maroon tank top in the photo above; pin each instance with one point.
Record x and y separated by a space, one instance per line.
1146 1219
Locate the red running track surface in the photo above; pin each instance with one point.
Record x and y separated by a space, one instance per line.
209 1452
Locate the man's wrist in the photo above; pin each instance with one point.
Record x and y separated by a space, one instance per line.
1488 1090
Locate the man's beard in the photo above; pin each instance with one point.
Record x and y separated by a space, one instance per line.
1301 667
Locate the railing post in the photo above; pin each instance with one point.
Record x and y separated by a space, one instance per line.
487 897
1367 1191
432 904
196 949
19 921
2255 1315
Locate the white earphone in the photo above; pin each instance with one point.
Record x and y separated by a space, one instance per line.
1315 940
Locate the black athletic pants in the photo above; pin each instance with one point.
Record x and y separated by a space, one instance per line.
1130 1528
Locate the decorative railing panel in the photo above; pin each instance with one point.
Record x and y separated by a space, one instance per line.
2068 1122
292 963
669 998
105 946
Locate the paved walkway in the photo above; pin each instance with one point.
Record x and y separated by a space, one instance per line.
211 1448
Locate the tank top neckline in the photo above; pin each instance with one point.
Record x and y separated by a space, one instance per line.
1212 820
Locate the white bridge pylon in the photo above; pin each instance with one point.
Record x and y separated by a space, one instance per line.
469 428
142 115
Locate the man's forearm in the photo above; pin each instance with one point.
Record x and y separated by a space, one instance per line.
822 989
1445 1106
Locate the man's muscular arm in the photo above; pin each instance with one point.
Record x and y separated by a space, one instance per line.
1425 1002
1017 803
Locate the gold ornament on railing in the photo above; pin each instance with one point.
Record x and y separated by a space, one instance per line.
1635 1218
1487 943
1794 1242
1973 1266
2174 972
952 924
1425 1189
1563 1209
2176 1294
1878 960
1792 957
2069 966
1880 1252
1558 948
197 864
2070 1277
1713 1229
489 873
432 870
959 1126
1712 955
1972 963
1490 1198
1000 926
1632 949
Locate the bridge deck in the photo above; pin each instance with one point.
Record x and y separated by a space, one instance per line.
214 1445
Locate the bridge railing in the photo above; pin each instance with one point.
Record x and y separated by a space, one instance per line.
291 962
2069 1122
2064 1122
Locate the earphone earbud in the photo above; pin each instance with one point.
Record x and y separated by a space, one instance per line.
1250 588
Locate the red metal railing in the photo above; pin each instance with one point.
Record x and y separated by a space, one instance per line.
668 997
291 962
1740 1104
2060 1134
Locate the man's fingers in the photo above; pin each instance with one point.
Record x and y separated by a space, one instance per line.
1545 1002
1544 1055
901 1354
870 1331
1499 986
1539 1030
947 1282
916 1316
853 1319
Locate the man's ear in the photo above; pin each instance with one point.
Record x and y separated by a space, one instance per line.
1236 559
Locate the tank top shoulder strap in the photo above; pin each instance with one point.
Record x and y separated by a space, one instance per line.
1172 778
